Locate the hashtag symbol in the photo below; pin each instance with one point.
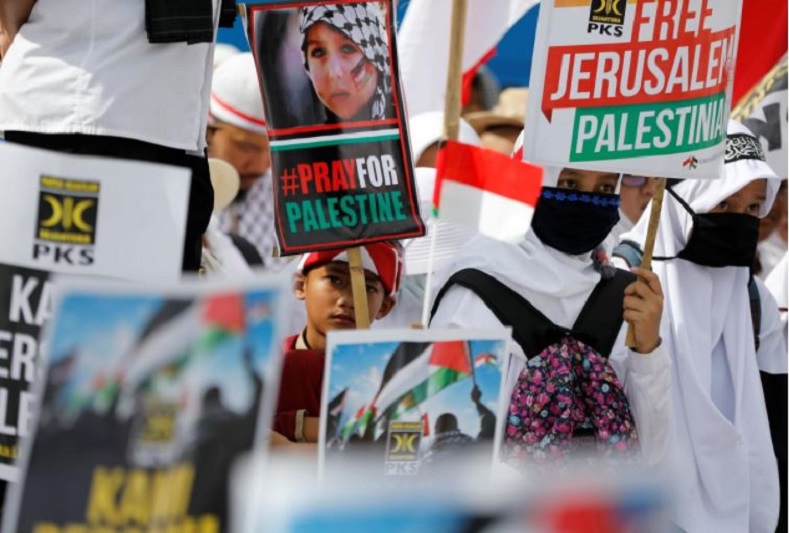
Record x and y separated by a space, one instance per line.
289 183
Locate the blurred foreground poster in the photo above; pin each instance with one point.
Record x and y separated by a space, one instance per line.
150 396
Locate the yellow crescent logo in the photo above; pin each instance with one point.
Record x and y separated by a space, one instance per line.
404 443
68 213
57 211
601 8
78 213
615 7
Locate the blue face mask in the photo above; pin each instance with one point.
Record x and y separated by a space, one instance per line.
574 222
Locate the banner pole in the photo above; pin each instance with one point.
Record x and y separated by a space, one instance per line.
452 108
649 244
359 287
452 103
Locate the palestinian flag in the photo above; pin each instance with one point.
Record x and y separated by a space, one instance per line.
434 368
488 191
358 424
180 331
335 409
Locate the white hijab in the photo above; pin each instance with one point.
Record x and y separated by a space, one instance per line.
554 282
728 471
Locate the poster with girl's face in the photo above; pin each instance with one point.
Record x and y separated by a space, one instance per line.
341 162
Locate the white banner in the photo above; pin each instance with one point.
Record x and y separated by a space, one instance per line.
639 87
92 215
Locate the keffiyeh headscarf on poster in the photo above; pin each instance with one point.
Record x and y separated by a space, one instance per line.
363 24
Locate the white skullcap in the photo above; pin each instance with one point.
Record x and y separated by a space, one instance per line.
223 52
426 129
235 94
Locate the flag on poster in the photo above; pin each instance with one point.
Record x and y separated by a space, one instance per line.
764 111
485 190
398 383
615 88
426 26
107 457
341 162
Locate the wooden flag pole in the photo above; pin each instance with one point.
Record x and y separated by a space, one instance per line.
452 103
452 108
359 287
649 244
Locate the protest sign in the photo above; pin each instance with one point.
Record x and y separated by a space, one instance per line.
150 395
764 111
341 163
76 215
640 87
282 497
412 398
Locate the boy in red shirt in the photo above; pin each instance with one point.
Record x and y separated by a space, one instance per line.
323 282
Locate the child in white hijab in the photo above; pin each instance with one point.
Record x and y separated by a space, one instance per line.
553 268
727 475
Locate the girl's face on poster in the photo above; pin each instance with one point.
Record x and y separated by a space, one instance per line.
343 78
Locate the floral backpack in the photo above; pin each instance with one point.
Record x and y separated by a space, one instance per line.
568 395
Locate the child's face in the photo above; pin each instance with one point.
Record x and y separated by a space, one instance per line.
343 78
748 200
587 181
326 291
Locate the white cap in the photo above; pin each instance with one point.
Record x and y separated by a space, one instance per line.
223 52
235 94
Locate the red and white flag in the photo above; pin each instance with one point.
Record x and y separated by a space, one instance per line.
486 190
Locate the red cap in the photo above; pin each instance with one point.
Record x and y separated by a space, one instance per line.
384 259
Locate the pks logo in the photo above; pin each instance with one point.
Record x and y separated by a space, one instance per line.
606 17
402 448
66 222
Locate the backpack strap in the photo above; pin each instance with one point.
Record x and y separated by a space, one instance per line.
532 330
755 299
600 320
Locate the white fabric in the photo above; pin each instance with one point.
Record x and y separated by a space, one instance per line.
558 285
778 285
728 480
770 251
220 256
235 94
85 66
771 356
426 129
423 43
223 52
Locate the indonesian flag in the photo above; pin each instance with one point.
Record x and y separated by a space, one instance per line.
423 44
437 367
489 191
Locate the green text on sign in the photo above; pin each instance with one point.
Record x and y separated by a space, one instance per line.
620 132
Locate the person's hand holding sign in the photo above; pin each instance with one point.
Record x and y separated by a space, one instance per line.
643 308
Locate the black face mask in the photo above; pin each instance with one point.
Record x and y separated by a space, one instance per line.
720 239
574 222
